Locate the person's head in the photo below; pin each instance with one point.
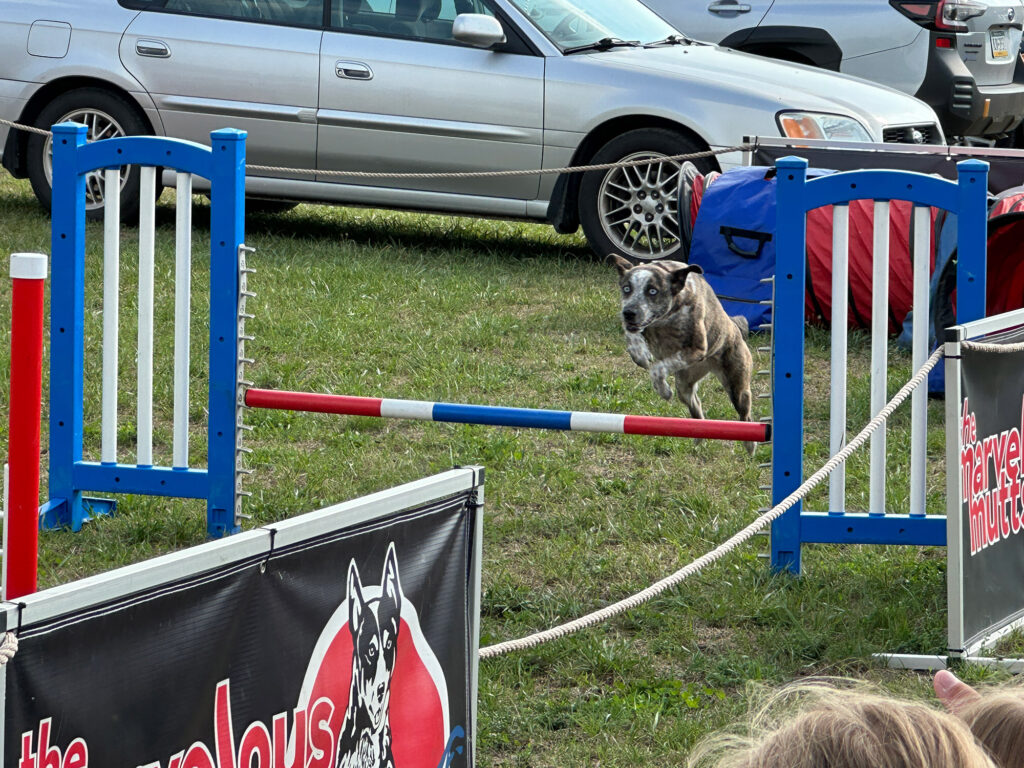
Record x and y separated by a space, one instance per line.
995 716
834 728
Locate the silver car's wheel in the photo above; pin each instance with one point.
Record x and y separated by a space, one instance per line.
634 211
101 126
639 207
106 115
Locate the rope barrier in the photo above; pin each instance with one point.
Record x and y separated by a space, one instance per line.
720 551
981 346
461 174
29 128
8 647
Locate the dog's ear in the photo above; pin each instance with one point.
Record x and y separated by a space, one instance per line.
355 598
390 586
678 276
619 263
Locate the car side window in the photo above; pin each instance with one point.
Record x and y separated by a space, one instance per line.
303 13
417 19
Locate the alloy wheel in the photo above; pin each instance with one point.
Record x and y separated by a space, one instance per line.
638 207
100 126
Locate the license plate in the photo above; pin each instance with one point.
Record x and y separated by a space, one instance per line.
998 38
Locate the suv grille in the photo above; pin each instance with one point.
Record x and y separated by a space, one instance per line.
910 134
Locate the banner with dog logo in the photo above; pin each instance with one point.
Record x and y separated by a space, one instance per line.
346 638
990 428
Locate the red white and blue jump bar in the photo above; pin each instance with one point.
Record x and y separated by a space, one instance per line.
499 416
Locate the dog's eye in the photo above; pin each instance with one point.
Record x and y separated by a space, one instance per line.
626 289
652 291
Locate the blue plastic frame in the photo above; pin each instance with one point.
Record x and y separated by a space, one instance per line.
796 196
223 163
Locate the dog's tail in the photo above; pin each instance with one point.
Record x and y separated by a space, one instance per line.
741 323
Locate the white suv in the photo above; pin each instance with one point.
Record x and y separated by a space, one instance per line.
959 56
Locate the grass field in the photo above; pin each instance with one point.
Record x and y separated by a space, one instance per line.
436 308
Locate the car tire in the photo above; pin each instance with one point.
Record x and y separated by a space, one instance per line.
634 212
108 115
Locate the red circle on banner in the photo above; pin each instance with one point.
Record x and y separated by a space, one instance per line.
416 711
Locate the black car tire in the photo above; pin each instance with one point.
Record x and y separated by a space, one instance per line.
122 114
641 195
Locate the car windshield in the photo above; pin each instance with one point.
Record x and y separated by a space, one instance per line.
575 23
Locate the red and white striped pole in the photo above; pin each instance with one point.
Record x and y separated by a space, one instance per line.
28 275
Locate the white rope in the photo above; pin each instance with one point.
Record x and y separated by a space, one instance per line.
656 589
463 174
8 647
981 346
29 128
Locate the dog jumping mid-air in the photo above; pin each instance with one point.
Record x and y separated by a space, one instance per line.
365 740
675 326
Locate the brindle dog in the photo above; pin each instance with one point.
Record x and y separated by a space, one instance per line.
675 325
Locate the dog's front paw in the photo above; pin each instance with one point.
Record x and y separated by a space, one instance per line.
638 350
659 380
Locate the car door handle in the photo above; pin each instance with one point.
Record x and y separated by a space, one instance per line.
729 8
353 70
154 48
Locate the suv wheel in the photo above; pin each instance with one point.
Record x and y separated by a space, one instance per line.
107 116
634 211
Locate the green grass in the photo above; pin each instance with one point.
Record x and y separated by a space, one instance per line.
436 308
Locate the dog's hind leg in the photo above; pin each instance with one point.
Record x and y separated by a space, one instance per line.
735 377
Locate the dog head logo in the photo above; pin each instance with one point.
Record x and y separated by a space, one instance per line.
374 628
374 665
648 291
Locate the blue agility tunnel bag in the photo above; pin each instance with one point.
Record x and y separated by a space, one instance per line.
734 240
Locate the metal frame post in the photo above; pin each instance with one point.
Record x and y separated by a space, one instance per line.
788 368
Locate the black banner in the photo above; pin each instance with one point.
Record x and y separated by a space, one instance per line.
349 650
991 426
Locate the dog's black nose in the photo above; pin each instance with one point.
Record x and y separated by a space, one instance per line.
628 315
380 692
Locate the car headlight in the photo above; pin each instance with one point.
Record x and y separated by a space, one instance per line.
816 125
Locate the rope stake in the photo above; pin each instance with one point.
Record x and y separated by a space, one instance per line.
723 549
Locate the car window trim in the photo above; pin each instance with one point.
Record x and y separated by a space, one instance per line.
516 43
159 7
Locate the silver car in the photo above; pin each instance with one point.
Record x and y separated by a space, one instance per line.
427 86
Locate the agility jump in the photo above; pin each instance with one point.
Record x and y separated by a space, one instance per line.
498 416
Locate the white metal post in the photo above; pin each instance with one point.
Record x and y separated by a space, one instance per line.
3 552
919 403
147 236
182 315
879 351
837 411
111 311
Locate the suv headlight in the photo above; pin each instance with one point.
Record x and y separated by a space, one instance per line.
816 125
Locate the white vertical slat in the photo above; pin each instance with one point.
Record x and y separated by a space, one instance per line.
879 351
837 412
182 314
111 311
919 403
147 236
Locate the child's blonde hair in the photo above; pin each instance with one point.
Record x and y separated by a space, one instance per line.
997 721
817 725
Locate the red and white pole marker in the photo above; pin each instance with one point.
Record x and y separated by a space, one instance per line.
28 275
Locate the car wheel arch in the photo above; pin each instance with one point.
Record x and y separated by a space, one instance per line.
802 45
15 151
563 207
